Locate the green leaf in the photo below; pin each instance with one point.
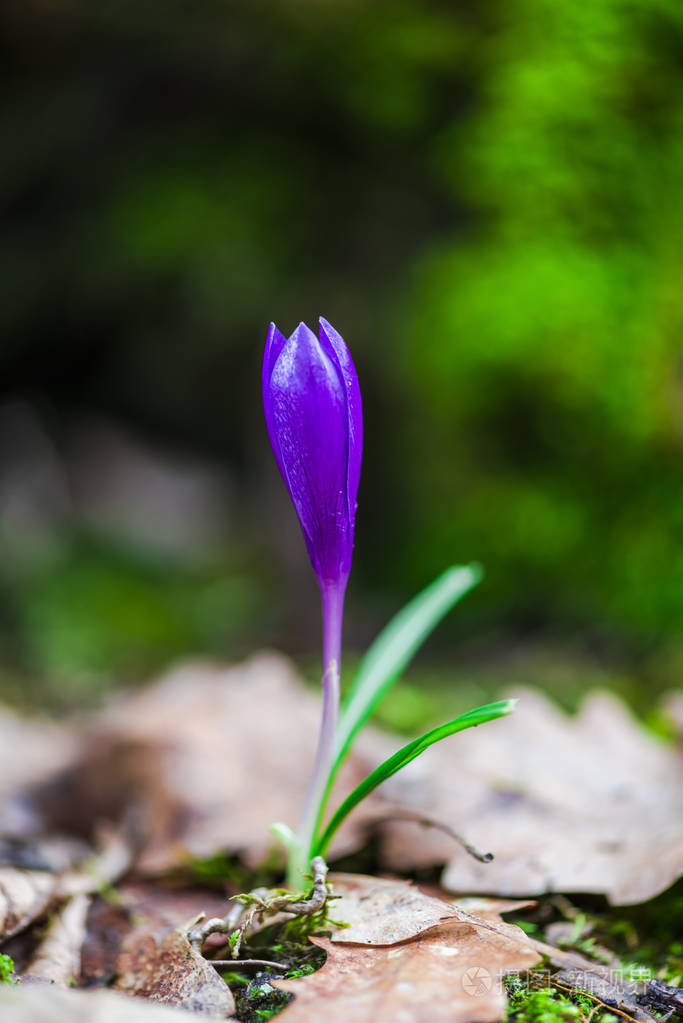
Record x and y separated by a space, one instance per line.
395 647
403 756
388 657
284 834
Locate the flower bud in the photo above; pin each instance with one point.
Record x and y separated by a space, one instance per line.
312 406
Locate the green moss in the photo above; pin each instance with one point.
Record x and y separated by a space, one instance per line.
528 1004
258 998
227 869
645 939
7 970
234 979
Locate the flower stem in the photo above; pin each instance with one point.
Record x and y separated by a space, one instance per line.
332 613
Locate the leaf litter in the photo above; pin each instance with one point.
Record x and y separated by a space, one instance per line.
429 963
590 803
377 911
30 1003
207 756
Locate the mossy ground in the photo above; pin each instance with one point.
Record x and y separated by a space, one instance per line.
256 998
645 940
527 1004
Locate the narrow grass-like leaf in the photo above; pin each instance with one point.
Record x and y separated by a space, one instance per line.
284 834
402 757
395 647
388 657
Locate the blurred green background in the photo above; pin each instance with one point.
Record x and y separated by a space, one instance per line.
485 198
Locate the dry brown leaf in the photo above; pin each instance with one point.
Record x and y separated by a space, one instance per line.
441 972
489 920
485 913
155 959
173 972
482 906
24 896
44 1003
31 752
212 756
382 912
591 803
451 973
57 959
139 912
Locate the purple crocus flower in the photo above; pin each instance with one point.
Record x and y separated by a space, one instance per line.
312 406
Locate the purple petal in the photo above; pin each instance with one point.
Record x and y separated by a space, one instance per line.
354 409
275 342
306 397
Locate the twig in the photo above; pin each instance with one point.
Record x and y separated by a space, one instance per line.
257 904
430 822
248 962
215 925
318 897
664 996
616 1001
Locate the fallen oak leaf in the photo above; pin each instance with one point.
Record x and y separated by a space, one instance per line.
373 910
376 911
373 984
445 972
578 972
155 959
553 797
142 909
451 973
198 755
591 803
483 907
173 972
